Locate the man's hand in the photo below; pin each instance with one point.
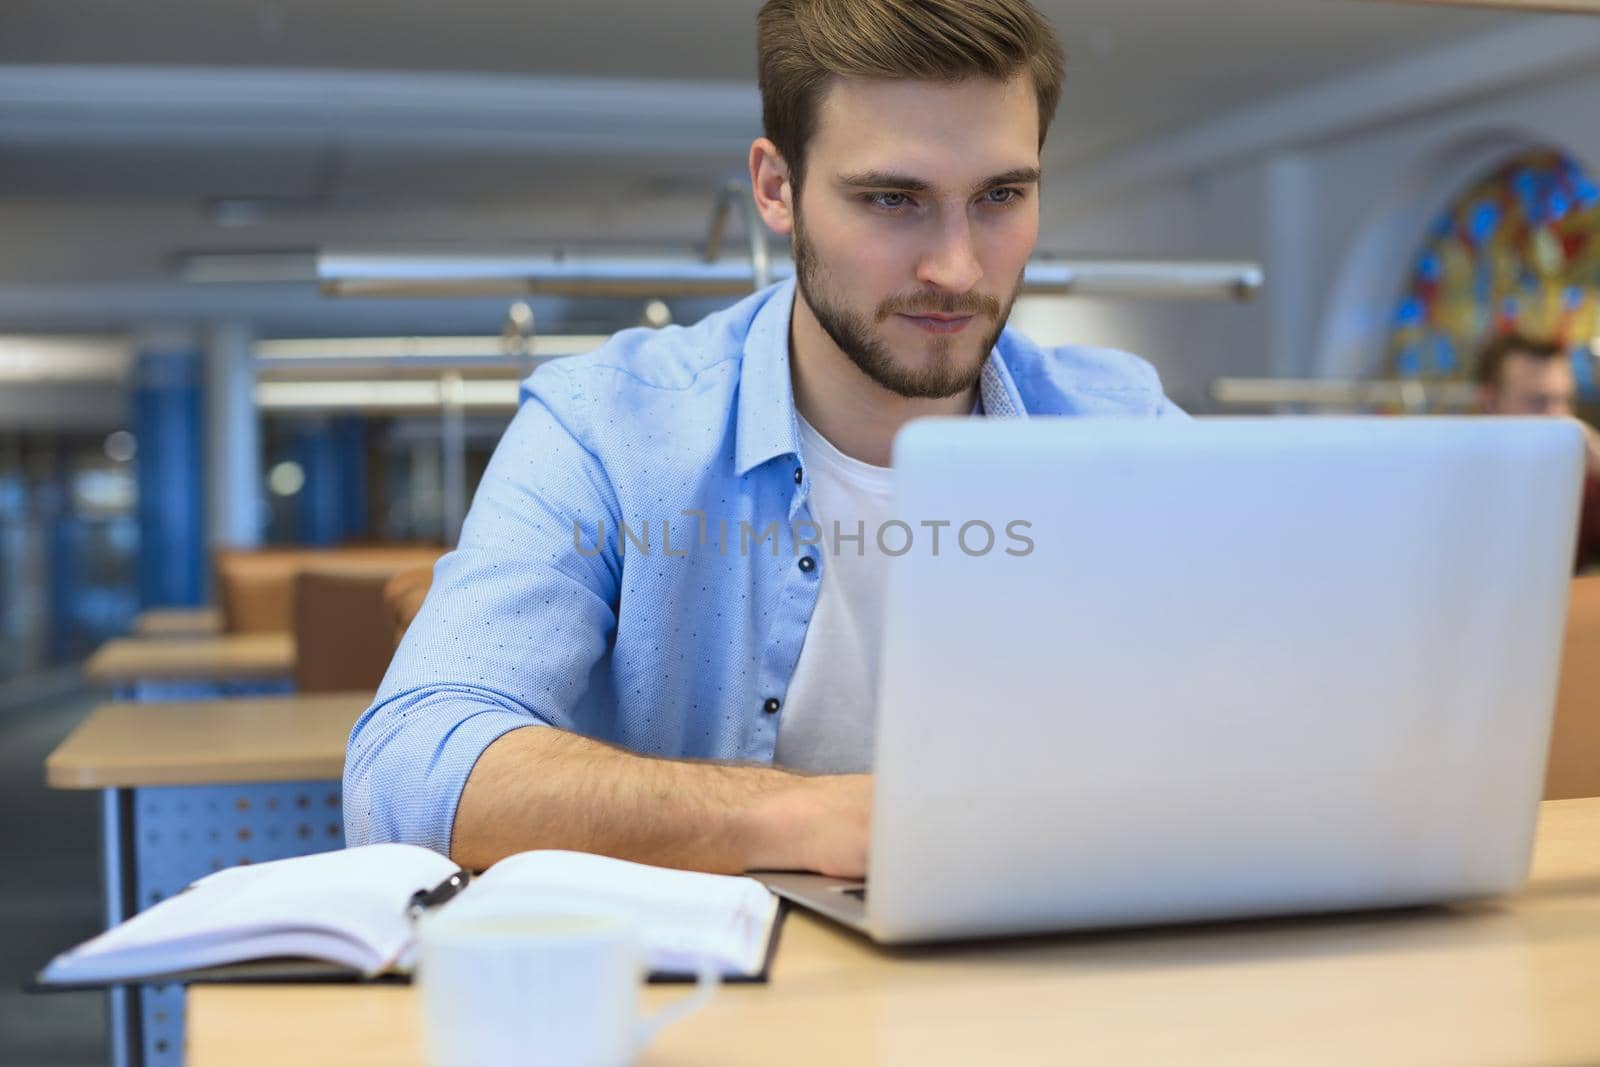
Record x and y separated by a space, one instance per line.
540 787
820 824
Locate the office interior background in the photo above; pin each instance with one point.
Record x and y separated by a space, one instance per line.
270 269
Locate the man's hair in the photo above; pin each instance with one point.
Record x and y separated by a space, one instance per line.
1492 357
802 44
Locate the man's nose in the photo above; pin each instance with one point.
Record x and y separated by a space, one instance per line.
952 263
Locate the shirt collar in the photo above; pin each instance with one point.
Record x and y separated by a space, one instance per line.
767 427
997 390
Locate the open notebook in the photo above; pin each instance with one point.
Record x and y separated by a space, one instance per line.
357 908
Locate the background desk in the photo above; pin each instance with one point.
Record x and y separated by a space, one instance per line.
259 739
146 668
1512 982
178 622
194 786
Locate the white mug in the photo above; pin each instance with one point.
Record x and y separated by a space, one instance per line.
553 989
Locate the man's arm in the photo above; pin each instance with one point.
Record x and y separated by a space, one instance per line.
475 745
540 787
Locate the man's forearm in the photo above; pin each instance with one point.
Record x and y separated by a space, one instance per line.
545 788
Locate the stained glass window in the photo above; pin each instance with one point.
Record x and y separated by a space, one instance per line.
1518 251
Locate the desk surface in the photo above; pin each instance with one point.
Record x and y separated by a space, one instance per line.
178 622
200 658
1516 981
247 739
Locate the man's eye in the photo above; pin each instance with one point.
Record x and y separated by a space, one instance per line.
1003 195
891 201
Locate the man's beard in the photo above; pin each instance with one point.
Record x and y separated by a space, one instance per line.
943 375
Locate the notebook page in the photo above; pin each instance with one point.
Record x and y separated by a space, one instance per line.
193 955
360 893
683 916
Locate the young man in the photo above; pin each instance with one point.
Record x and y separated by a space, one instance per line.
625 655
1520 376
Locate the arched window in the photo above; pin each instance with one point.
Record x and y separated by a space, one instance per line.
1518 251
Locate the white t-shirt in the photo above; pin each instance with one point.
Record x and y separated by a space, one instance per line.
830 711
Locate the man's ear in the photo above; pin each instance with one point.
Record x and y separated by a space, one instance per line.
769 182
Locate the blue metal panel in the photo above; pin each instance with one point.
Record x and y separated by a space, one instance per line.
350 450
183 833
63 564
170 431
332 506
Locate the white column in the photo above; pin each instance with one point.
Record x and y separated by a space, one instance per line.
235 509
1291 243
453 455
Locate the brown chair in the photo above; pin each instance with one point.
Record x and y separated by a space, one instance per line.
255 588
1574 768
403 597
341 629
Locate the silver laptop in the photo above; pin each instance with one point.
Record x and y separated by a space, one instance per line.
1211 669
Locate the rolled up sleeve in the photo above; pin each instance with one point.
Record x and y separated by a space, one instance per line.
517 619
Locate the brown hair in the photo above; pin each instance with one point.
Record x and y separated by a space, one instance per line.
801 44
1492 357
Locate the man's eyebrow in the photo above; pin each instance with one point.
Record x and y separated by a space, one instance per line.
883 179
1020 176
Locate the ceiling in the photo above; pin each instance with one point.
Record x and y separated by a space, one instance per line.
363 121
1136 67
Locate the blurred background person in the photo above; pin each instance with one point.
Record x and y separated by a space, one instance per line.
1519 375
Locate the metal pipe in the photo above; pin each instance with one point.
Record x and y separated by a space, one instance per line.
737 192
1147 279
453 454
760 255
563 273
1414 395
123 1034
719 222
389 394
555 273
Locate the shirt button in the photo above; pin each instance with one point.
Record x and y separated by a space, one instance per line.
799 474
807 564
771 706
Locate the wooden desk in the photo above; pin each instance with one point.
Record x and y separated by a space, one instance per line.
189 787
250 739
125 661
178 622
1513 982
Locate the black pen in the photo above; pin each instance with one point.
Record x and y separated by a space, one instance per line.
427 899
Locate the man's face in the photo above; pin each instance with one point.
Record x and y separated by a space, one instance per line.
918 211
1533 386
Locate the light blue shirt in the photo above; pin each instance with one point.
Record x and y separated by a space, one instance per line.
677 636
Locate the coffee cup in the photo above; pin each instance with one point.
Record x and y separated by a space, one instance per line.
561 990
